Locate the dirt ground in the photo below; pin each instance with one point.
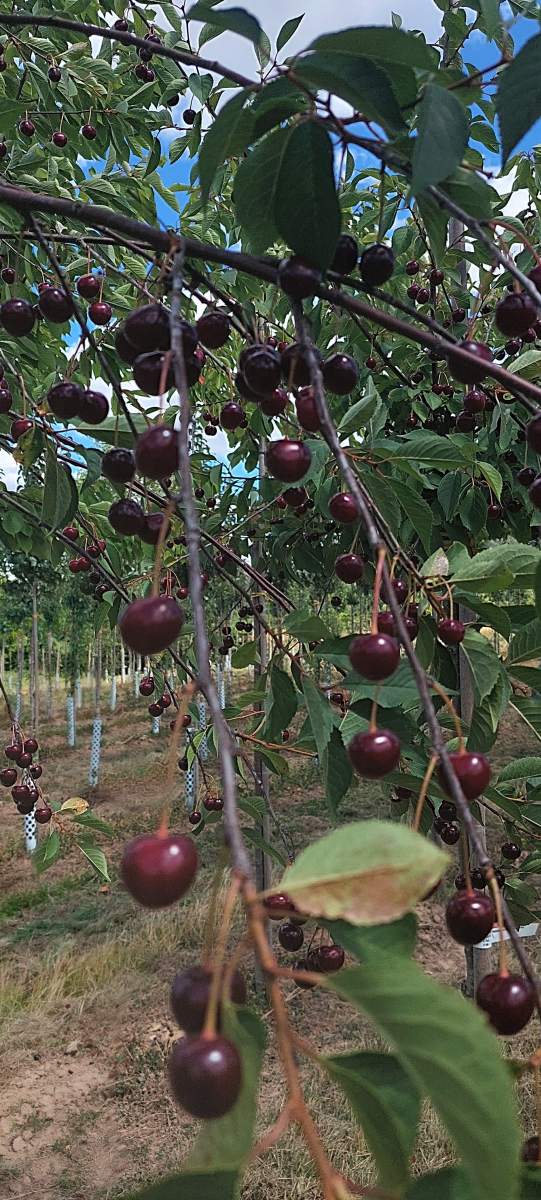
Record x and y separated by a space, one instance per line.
85 1112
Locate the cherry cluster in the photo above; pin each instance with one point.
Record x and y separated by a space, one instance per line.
84 560
26 791
324 958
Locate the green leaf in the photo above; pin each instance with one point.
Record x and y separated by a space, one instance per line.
386 1103
380 42
416 509
307 628
236 20
288 29
60 497
255 188
337 770
395 939
472 192
320 713
446 1046
192 1185
485 572
89 820
435 220
525 644
282 702
442 137
306 208
518 769
256 839
473 510
154 157
529 709
47 852
97 858
493 478
228 136
360 413
366 873
450 1184
483 661
226 1142
487 715
537 591
362 83
518 99
245 655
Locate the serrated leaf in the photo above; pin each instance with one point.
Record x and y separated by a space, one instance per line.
473 510
154 157
537 591
337 770
235 20
435 220
366 873
244 656
306 627
386 1103
254 189
395 939
416 509
47 852
484 663
518 769
380 42
493 478
442 137
518 99
96 858
306 208
529 708
255 838
360 413
320 714
228 136
450 1184
359 81
525 644
192 1185
288 29
282 702
446 1046
89 820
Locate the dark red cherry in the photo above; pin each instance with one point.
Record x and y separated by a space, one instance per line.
297 278
386 623
151 624
89 132
205 1075
329 959
24 759
374 753
290 936
508 1001
156 709
156 452
423 295
472 771
275 403
100 312
261 367
469 916
154 373
450 631
27 127
295 497
306 409
65 399
515 313
374 655
412 267
54 74
413 291
526 476
511 851
189 116
447 812
59 139
17 317
278 906
21 793
376 264
231 415
349 567
470 372
30 745
449 833
213 329
474 401
152 528
43 814
157 870
118 465
127 517
494 512
295 365
340 374
8 776
5 401
88 286
287 459
124 348
94 407
19 427
190 994
343 508
194 817
8 275
147 685
465 422
530 1150
148 329
345 255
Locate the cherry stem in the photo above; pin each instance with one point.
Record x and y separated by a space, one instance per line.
164 529
374 710
497 897
466 859
216 986
452 710
377 589
422 794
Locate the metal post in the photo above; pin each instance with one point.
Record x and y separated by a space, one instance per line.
20 673
95 748
263 872
49 674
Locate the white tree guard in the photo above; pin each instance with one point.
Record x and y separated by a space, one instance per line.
30 833
155 726
18 706
78 693
136 682
70 712
190 788
95 753
203 745
228 675
112 698
220 684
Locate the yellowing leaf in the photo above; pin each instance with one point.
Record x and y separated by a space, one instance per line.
368 873
75 805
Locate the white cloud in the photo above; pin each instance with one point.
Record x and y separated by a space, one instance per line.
9 470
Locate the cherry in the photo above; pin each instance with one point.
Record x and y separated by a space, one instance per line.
231 415
374 655
36 771
261 368
412 267
26 806
450 631
189 116
533 428
287 459
530 1150
508 1000
151 624
173 100
285 732
88 286
274 404
19 427
472 771
8 776
340 374
449 833
124 348
494 512
118 465
194 817
458 315
156 452
190 995
74 565
376 264
295 497
27 127
374 753
126 517
152 527
65 399
349 567
213 329
94 407
526 476
306 409
343 508
465 422
30 745
278 906
447 811
511 851
54 74
297 278
8 275
100 312
21 793
158 869
413 291
329 959
345 255
386 623
5 401
371 362
469 916
147 328
205 1075
17 317
153 373
513 346
400 589
296 365
146 686
423 295
470 372
59 139
156 709
89 132
515 313
474 401
290 936
44 814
